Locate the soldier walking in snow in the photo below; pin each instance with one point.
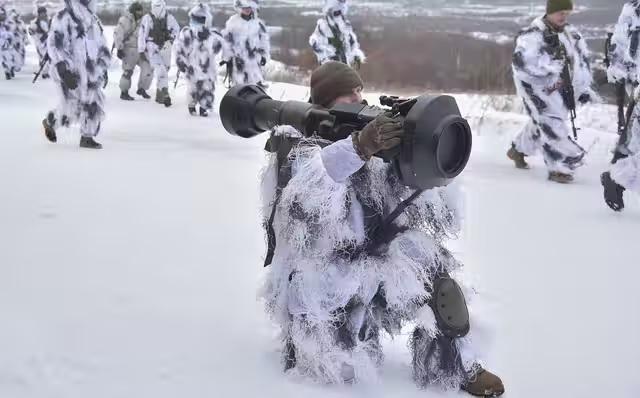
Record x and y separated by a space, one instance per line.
8 40
126 44
340 275
20 42
80 59
334 39
39 30
552 72
625 67
247 48
197 47
158 31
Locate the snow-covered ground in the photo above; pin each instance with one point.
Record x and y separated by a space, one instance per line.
133 271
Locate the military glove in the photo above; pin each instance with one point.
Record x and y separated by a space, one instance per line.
120 54
68 78
382 133
584 98
263 61
182 67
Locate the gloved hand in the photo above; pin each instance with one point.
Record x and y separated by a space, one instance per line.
182 67
69 79
263 61
120 54
584 98
357 63
382 133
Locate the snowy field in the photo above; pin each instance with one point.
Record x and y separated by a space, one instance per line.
133 271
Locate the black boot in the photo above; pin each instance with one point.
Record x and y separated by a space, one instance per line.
167 99
141 92
45 76
613 192
90 143
49 132
204 112
7 75
125 96
192 110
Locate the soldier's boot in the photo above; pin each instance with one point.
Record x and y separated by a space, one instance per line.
483 383
141 92
204 112
167 99
192 110
49 131
90 143
560 178
159 96
517 157
7 75
125 96
613 192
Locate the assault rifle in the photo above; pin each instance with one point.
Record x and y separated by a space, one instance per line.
43 63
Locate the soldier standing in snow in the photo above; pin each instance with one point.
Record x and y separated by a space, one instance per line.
196 52
80 59
7 41
20 42
340 275
625 67
552 72
247 48
334 39
158 31
39 30
126 44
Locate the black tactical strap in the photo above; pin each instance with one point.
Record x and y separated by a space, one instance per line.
281 146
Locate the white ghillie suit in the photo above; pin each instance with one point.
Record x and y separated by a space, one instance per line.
39 31
333 289
536 68
196 51
247 45
625 65
21 39
158 31
76 43
126 40
334 39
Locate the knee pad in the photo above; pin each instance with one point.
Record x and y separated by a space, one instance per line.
450 307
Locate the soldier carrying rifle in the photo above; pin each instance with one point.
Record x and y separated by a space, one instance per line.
552 72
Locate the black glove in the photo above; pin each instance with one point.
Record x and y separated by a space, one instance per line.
382 133
105 78
263 61
120 54
69 79
584 98
182 67
222 63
